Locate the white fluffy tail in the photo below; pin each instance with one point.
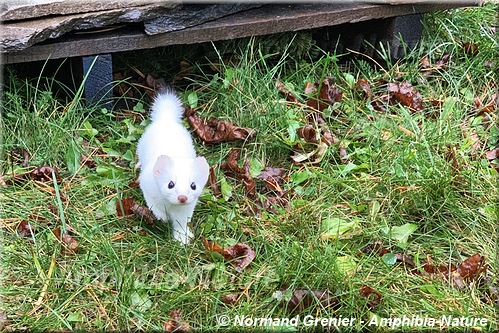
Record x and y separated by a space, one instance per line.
167 107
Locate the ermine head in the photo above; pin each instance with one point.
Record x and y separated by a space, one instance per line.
181 180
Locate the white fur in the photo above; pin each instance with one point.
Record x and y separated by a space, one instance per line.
166 155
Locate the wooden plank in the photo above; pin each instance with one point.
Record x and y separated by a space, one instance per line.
261 21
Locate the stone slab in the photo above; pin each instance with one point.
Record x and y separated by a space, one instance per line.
29 9
191 15
19 35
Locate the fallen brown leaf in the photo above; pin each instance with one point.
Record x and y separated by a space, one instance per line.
343 154
379 103
143 212
407 95
272 201
470 134
88 162
122 88
240 255
69 244
310 89
185 71
231 299
424 63
176 323
427 69
375 248
216 131
281 87
482 109
328 95
443 62
470 48
273 178
124 206
469 270
212 181
308 133
25 229
305 298
492 154
231 168
318 153
20 155
364 86
44 173
373 296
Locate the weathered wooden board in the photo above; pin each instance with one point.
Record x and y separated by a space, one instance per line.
28 9
265 20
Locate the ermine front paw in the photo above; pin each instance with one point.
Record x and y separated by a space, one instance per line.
183 237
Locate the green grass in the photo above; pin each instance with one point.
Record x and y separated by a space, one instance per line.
129 275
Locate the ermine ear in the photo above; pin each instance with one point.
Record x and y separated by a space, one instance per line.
201 170
163 166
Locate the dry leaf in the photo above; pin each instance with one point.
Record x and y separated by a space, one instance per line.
240 255
318 154
216 131
143 212
303 299
375 248
124 206
231 168
407 95
308 133
328 95
373 296
364 86
273 178
468 270
343 154
310 89
88 162
380 102
492 154
44 173
176 323
25 229
424 63
290 97
272 201
20 155
443 62
69 244
212 181
185 71
230 299
471 49
471 135
490 107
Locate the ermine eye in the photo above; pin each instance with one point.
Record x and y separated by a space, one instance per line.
171 185
193 186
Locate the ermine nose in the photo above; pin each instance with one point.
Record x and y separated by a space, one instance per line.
182 198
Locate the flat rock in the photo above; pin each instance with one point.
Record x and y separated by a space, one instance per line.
28 9
19 35
191 15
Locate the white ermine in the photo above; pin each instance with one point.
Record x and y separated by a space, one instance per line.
171 176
